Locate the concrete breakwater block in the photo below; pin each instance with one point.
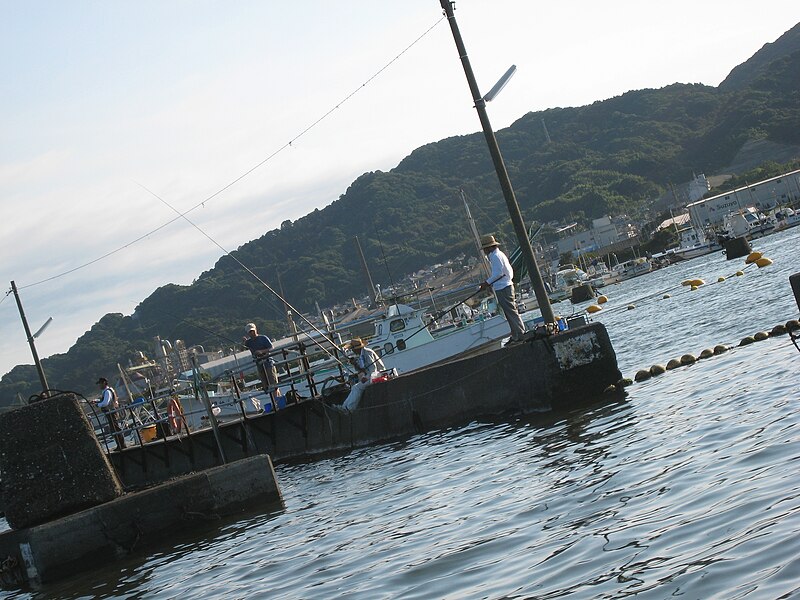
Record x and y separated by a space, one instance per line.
84 540
51 462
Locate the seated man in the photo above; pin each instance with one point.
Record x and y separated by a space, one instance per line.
368 364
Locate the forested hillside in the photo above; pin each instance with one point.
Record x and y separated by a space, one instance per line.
610 157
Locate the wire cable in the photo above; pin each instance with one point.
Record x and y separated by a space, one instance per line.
246 173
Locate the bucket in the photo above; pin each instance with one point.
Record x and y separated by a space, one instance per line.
148 433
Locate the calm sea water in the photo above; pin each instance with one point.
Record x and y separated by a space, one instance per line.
687 487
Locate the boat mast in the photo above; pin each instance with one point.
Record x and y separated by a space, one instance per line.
477 238
502 173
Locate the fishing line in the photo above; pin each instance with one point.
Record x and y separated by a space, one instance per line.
193 324
249 171
261 281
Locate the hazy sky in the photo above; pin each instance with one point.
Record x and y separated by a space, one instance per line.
103 99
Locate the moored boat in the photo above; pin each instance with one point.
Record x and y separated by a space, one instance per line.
632 268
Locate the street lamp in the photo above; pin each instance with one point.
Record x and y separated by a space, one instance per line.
36 361
500 167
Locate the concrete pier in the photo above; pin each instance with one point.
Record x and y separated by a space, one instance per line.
52 463
66 505
83 540
538 375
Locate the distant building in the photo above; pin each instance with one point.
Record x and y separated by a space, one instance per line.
763 195
679 195
606 232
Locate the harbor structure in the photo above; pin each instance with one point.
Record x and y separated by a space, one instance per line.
764 195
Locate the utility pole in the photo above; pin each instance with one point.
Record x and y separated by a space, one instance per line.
502 174
36 361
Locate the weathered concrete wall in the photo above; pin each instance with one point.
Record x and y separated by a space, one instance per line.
554 373
51 462
84 540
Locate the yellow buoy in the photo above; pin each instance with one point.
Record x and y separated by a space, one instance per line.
707 353
739 273
693 288
720 279
631 306
763 262
642 375
688 359
657 370
760 336
673 364
693 282
752 257
602 299
593 308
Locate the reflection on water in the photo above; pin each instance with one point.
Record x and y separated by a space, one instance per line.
688 486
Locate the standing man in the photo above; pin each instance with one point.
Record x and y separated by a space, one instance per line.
501 282
259 346
108 403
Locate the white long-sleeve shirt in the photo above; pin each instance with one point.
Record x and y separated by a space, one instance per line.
369 362
107 398
502 273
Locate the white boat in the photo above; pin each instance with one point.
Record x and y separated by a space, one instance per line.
694 243
632 268
785 218
747 222
406 344
567 277
401 337
600 275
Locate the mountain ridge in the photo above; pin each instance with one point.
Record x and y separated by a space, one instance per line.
608 157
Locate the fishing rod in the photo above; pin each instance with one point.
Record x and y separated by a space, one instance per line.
257 278
444 312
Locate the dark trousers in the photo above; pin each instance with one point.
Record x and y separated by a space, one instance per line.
111 417
268 374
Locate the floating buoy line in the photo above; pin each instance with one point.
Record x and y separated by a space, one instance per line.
791 327
754 258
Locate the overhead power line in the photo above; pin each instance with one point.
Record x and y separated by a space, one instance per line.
246 173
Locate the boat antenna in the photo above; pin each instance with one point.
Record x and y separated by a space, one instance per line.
477 238
367 275
261 281
389 273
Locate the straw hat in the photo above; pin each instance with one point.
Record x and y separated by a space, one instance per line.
488 241
357 343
